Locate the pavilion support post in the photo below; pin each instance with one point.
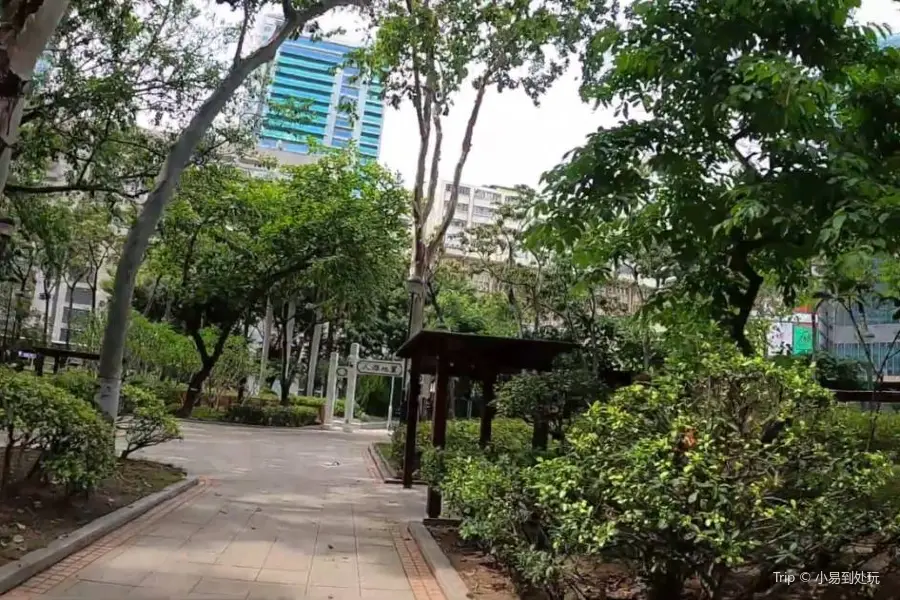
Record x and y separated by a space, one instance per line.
487 409
438 430
412 422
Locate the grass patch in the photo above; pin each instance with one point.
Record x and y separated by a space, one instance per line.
34 514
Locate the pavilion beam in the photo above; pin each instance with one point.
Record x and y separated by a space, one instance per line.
488 410
412 421
438 430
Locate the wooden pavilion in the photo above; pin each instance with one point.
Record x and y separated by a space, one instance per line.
443 355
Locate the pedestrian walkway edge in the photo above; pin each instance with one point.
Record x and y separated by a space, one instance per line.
448 579
31 564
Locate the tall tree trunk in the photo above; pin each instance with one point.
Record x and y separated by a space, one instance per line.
47 289
113 348
25 30
194 388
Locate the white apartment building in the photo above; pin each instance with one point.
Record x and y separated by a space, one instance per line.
476 205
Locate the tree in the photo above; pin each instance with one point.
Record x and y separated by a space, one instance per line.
109 64
49 224
456 305
26 28
231 240
763 147
426 51
296 17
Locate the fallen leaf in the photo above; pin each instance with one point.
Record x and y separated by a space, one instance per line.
21 527
18 539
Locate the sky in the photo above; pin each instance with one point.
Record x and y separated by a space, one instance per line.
515 141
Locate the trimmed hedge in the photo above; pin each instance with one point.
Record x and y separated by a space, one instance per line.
275 416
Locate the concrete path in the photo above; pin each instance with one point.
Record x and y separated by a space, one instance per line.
282 514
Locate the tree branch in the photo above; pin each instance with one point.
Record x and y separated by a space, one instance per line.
245 23
61 189
435 163
438 238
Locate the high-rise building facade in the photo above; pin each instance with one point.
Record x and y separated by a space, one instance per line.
311 71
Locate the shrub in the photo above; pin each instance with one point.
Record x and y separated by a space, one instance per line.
307 401
724 472
206 413
149 423
509 437
78 382
74 442
277 416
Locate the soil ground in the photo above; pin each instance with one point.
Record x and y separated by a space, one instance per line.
34 514
485 579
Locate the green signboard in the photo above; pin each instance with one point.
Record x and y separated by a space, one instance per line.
802 339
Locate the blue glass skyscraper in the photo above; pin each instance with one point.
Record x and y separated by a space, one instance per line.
311 71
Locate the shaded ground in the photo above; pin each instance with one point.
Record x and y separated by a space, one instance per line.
287 514
34 514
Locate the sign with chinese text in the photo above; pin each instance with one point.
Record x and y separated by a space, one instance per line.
390 368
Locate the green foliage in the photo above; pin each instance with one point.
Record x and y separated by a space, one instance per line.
74 440
109 63
275 416
724 463
148 422
325 236
206 413
509 437
456 305
783 135
554 397
80 383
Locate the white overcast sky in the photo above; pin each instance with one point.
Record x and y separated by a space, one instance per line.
515 141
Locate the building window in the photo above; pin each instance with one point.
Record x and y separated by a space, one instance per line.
463 190
483 211
81 295
458 223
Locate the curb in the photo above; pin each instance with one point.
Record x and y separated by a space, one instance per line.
451 583
313 426
384 470
31 564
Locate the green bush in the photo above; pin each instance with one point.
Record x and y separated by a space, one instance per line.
149 423
882 428
78 382
276 416
307 401
509 437
207 413
75 443
724 467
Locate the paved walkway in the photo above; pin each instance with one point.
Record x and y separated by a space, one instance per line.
280 515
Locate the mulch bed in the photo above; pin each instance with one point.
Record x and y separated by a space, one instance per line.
33 515
485 578
489 580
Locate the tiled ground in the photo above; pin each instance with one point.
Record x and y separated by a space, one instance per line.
284 515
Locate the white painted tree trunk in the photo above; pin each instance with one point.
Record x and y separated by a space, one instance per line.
267 340
313 361
138 238
20 50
